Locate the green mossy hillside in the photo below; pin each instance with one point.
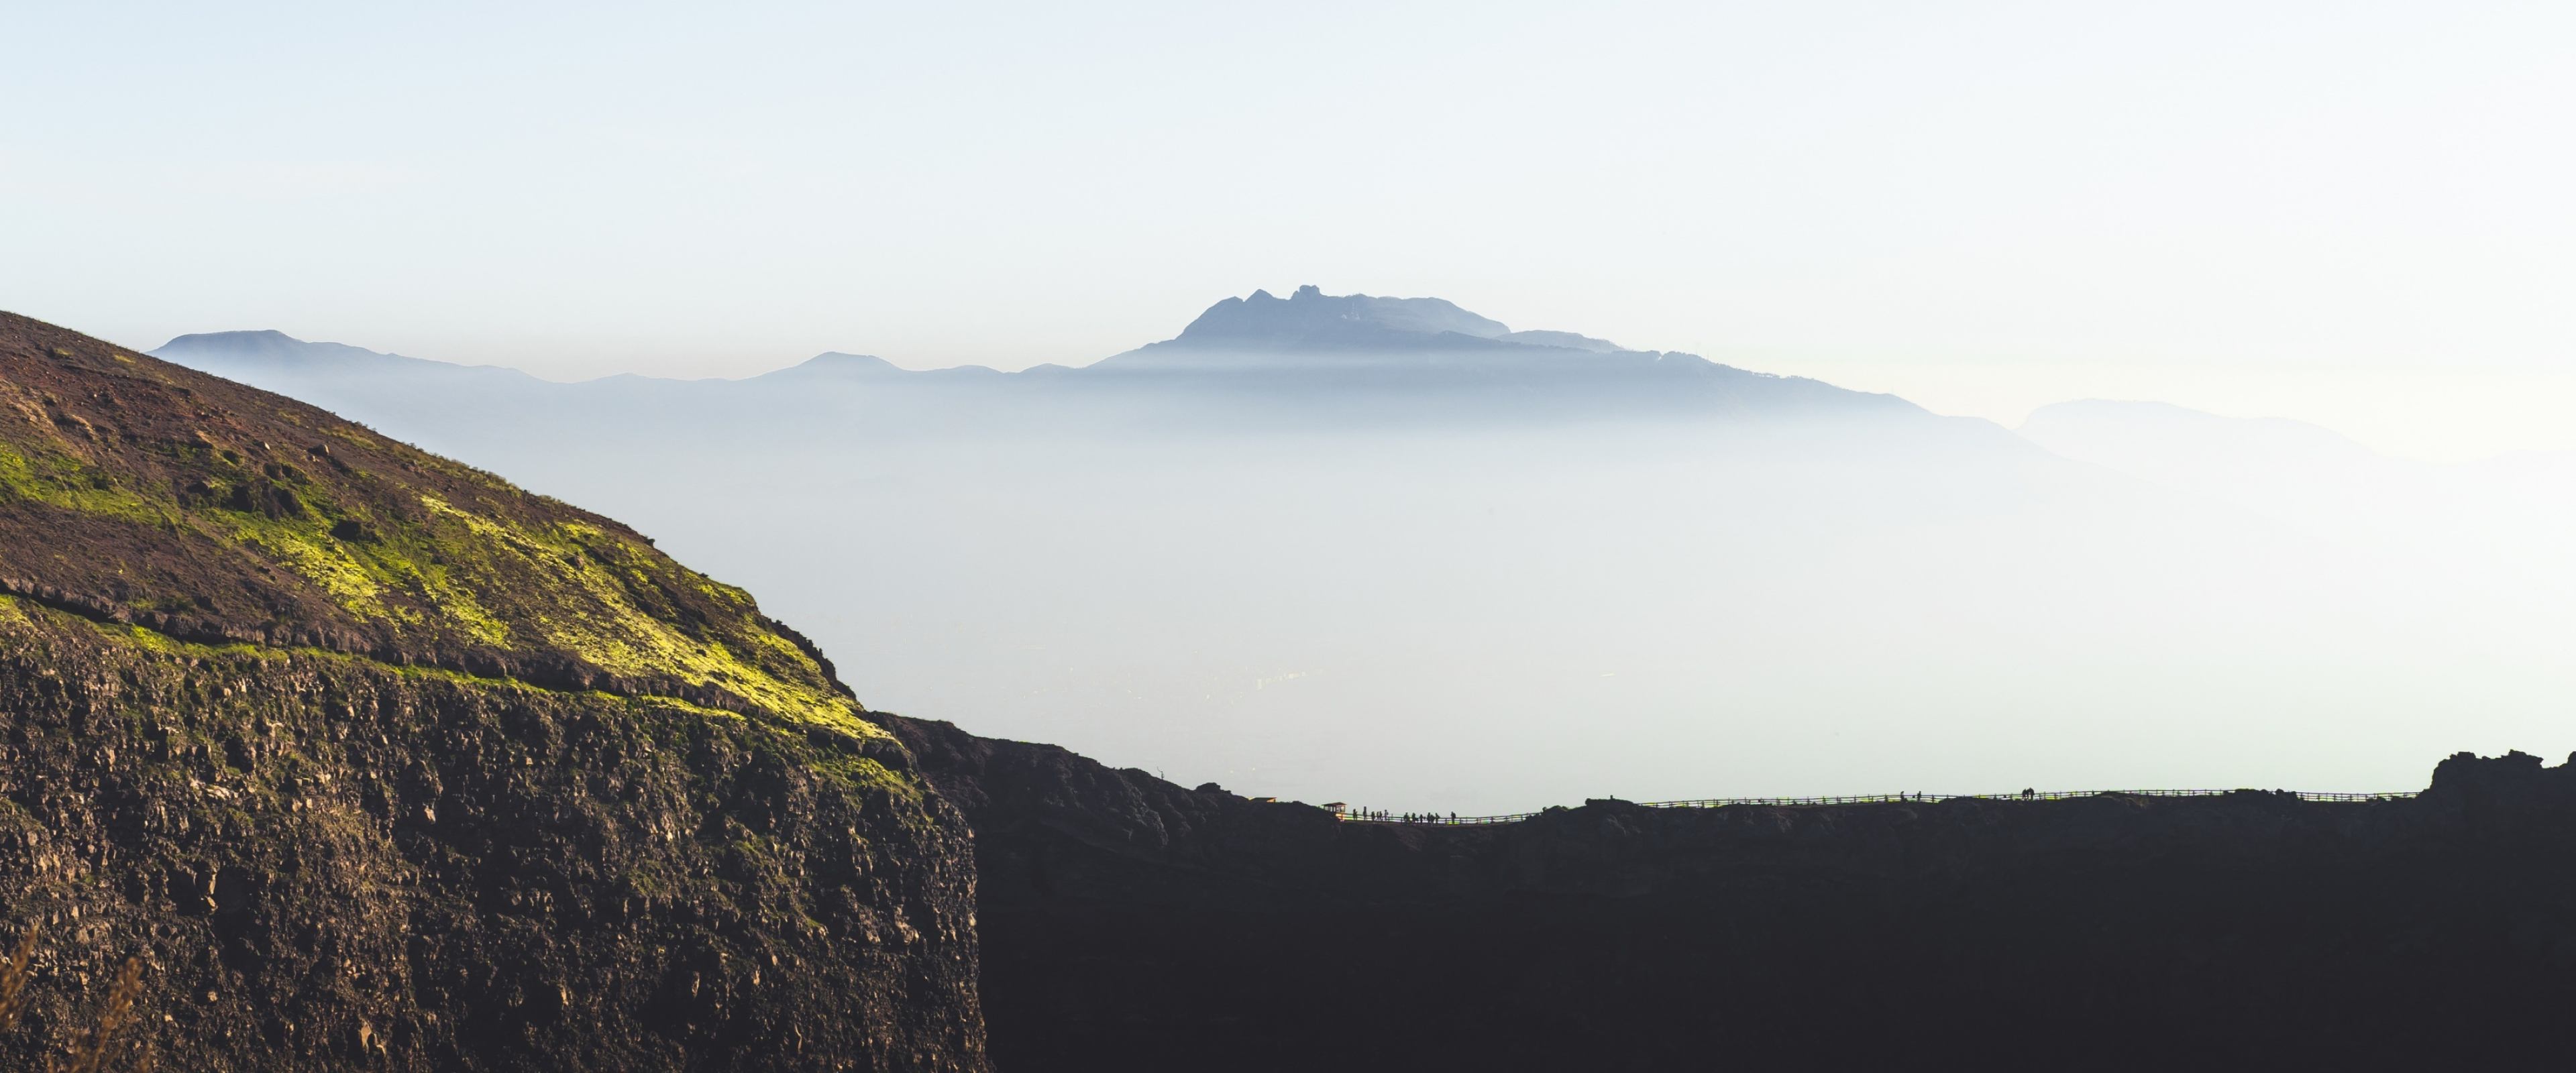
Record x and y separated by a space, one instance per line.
137 492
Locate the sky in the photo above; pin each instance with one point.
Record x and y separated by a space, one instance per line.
2350 213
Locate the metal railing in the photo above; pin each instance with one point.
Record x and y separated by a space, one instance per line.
1362 815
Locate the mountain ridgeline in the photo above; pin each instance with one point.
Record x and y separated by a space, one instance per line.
1311 359
376 761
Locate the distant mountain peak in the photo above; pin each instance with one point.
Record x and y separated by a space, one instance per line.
263 340
1310 319
265 344
259 358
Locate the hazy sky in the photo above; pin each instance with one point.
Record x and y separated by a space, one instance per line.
2352 213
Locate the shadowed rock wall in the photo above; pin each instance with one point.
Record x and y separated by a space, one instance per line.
1132 924
328 864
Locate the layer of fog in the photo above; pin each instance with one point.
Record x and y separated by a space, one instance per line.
1482 617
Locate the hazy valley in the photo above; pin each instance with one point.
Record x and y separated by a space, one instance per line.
1376 550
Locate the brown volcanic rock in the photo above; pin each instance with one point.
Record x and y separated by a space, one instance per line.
375 762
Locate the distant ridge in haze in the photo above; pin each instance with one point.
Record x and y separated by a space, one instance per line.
1308 359
276 352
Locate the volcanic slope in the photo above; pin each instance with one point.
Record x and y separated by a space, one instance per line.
376 761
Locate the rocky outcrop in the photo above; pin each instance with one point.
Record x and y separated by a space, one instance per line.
367 760
329 864
1132 924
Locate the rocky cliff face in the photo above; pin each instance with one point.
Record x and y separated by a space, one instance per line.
1131 924
374 761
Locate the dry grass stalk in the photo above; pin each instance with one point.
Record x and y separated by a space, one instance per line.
111 1017
92 1054
13 981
